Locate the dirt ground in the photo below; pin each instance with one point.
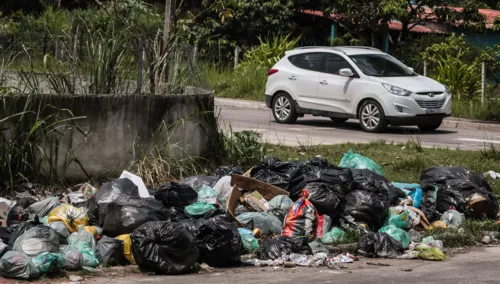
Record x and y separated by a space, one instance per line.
474 265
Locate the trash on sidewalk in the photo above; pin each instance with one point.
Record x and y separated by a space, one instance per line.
398 234
453 219
430 253
48 263
356 161
302 219
379 245
18 265
277 247
37 240
492 174
334 236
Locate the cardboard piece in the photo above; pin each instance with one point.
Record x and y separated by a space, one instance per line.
243 184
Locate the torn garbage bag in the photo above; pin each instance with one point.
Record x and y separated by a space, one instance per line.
174 194
37 240
379 245
110 251
267 223
18 265
43 208
277 247
164 248
285 175
326 198
48 262
398 234
198 181
73 259
302 220
279 206
356 161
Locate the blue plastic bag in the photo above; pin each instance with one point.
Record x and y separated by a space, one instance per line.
412 190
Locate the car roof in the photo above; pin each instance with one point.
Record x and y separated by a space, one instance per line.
347 50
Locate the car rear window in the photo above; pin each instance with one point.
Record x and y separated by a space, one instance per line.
308 61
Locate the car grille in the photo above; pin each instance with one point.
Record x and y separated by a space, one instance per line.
431 104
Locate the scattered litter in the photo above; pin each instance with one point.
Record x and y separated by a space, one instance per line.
494 175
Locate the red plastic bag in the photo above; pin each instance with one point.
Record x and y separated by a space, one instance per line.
302 220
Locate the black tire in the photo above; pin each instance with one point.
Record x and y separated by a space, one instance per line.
372 117
430 127
337 120
284 109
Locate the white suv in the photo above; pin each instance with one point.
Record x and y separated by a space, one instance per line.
354 82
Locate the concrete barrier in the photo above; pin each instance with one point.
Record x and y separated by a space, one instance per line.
115 128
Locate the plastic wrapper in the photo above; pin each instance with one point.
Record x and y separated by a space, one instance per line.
127 247
174 194
85 192
110 251
430 253
43 208
198 209
208 195
280 205
18 265
326 198
198 181
267 223
223 188
302 220
334 236
379 245
73 259
398 234
71 216
48 263
164 248
413 190
356 161
227 171
36 241
453 219
285 175
277 247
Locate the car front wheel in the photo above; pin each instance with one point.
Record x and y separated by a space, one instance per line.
430 127
284 109
372 117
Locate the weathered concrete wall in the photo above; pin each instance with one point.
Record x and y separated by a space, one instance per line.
117 126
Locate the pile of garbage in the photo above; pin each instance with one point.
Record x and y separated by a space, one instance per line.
277 213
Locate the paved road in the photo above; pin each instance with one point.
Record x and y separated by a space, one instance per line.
479 266
311 130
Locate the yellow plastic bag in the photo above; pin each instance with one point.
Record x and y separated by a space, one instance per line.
71 216
127 247
430 253
92 230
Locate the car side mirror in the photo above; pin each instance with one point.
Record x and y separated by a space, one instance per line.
411 69
346 72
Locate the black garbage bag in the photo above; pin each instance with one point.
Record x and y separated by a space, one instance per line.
379 245
174 194
110 252
223 171
37 240
327 198
373 182
320 170
18 265
176 214
286 175
164 248
453 187
276 247
198 181
125 214
22 228
106 194
5 235
366 207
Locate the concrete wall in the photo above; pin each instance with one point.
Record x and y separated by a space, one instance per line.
117 126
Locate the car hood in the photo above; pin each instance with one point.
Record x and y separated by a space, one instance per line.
415 84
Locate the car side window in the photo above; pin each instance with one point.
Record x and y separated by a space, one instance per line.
334 63
309 61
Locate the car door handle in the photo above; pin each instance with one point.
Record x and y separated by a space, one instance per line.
293 78
324 82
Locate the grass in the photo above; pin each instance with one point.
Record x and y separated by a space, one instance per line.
475 110
401 162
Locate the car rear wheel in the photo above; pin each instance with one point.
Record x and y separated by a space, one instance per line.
284 109
337 120
372 117
431 126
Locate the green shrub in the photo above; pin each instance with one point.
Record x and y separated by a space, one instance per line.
269 51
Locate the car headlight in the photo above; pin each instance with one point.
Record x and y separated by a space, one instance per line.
397 90
447 89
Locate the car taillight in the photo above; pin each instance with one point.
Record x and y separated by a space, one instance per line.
272 71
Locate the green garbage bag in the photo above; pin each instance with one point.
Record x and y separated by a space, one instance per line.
334 236
198 209
400 220
356 161
48 262
398 234
429 253
208 195
88 254
250 243
86 244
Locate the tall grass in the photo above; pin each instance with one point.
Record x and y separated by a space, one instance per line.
490 110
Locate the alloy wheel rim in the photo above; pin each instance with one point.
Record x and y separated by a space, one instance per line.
370 116
282 108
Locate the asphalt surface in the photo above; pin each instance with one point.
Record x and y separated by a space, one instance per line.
478 266
310 130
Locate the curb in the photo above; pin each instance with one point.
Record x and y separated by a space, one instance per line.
452 122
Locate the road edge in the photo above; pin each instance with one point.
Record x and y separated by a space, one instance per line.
450 122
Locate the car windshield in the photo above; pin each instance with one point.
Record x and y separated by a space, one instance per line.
381 65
